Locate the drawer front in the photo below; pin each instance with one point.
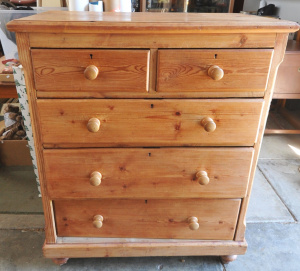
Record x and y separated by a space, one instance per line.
149 122
64 70
147 218
151 173
188 70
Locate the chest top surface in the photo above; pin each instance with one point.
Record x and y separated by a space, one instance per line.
91 22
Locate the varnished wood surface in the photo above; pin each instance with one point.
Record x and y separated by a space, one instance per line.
293 46
281 131
8 90
288 77
279 50
151 173
187 70
119 70
228 258
130 247
149 122
284 122
135 241
59 125
60 261
120 40
25 58
148 218
286 96
152 70
139 22
150 95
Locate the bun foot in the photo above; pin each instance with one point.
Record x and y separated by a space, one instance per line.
60 261
228 258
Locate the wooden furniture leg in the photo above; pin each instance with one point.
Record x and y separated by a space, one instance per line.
60 261
228 258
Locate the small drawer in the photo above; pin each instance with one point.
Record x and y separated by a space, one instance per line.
150 172
148 123
209 219
213 70
91 70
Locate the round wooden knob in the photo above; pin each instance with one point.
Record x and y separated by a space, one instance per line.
193 223
97 221
215 72
202 177
208 124
91 72
93 125
95 178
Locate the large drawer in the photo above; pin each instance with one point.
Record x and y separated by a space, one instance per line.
63 70
63 123
188 70
148 218
151 173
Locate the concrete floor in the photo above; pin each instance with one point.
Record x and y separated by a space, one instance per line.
273 230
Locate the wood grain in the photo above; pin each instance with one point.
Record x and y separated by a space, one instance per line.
231 6
155 41
288 77
293 46
164 211
152 94
119 70
153 70
147 22
282 131
149 122
25 58
148 218
279 49
8 90
122 247
187 70
291 117
286 96
151 172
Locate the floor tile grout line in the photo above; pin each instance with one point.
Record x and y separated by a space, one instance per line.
38 229
265 222
23 229
274 222
22 213
291 213
278 158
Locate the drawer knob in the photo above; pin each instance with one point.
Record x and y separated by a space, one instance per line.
202 177
91 72
208 124
95 178
97 221
215 72
193 223
93 125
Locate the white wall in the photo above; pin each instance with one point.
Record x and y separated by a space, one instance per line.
287 9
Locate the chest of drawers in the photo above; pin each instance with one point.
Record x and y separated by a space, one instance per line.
148 128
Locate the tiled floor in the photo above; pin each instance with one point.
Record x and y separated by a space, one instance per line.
273 231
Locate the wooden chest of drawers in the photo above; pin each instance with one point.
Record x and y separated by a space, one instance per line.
148 127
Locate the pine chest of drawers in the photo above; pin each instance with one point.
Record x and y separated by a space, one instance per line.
148 127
